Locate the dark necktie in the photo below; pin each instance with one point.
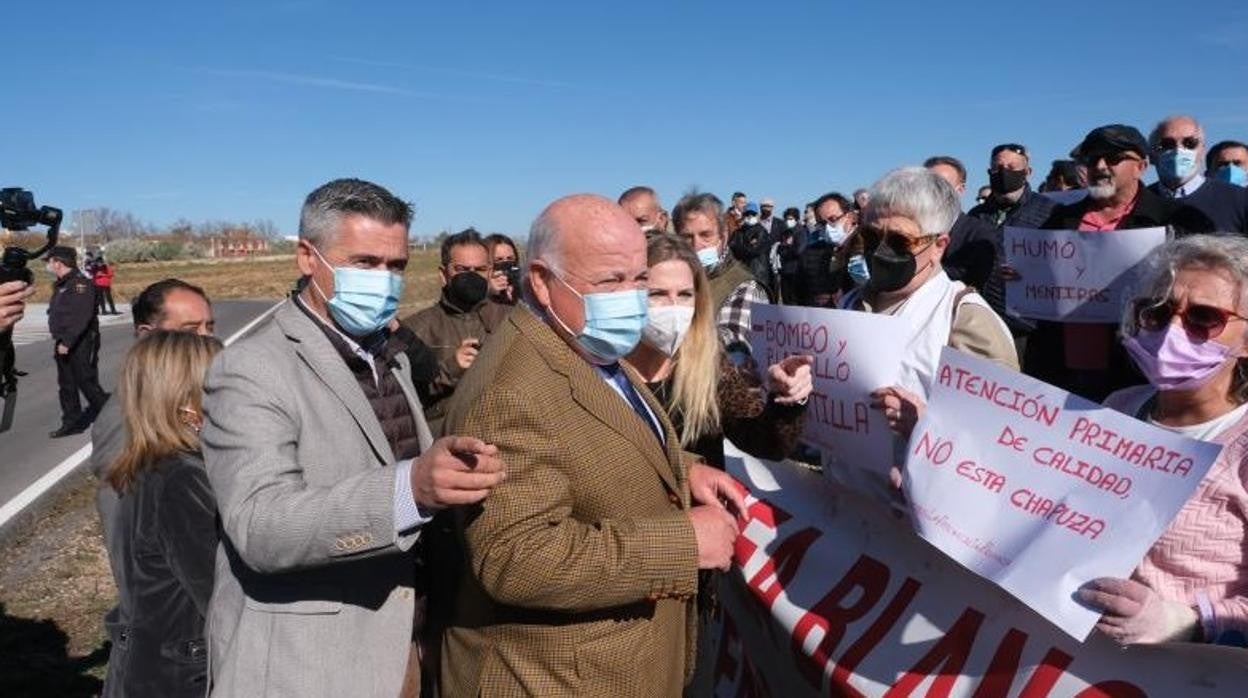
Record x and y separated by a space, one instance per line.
639 406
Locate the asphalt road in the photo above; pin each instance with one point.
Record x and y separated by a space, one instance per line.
26 451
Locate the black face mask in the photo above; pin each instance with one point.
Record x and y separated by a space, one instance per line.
467 289
1006 181
890 270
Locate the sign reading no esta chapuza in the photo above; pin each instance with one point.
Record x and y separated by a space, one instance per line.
1041 491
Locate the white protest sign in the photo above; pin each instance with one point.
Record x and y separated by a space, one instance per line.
1039 490
1075 276
833 595
855 353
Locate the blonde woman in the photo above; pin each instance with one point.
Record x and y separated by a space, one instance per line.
165 521
706 395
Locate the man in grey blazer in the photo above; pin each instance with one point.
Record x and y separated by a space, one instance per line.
324 470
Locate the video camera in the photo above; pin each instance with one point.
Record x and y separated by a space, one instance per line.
512 270
17 213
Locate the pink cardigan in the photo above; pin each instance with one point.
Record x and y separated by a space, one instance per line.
1202 558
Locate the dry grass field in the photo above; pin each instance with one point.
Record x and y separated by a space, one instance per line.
55 584
254 278
55 587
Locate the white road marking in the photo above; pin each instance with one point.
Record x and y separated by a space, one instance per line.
49 480
33 327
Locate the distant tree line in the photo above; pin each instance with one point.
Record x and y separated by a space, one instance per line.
104 225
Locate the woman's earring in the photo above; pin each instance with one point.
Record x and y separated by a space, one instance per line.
191 418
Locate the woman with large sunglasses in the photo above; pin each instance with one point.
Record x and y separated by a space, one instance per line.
1187 333
905 231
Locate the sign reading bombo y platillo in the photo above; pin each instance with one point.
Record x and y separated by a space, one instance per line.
833 595
854 354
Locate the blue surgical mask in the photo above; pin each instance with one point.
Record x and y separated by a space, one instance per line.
613 322
708 257
1176 165
833 233
858 269
365 300
1232 173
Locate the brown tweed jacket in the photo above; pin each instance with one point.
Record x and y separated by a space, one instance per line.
581 568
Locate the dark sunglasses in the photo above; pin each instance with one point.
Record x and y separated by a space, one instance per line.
1190 143
872 237
1202 322
1111 159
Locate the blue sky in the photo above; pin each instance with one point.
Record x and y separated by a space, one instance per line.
481 113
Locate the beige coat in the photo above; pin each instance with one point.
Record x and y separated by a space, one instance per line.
314 589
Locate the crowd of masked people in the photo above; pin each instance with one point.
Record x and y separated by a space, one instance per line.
519 489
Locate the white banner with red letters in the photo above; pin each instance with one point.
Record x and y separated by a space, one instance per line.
833 594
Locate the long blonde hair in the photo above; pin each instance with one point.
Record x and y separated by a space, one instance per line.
163 375
695 379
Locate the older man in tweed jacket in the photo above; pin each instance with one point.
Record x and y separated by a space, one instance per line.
581 568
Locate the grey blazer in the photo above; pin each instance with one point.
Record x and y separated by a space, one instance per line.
314 590
108 438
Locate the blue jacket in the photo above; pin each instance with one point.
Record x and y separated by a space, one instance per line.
1224 203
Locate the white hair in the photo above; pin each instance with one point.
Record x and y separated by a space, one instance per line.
1228 252
1154 137
1223 252
543 244
918 194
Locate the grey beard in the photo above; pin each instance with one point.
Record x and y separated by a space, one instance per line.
1102 191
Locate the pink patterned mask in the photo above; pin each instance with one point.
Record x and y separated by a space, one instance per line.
1170 360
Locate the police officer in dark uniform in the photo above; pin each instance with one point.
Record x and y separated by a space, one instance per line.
76 334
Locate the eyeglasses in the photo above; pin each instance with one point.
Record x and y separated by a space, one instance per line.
1111 159
1202 322
898 243
1189 142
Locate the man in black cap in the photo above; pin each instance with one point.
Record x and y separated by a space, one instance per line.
1116 158
76 334
1087 359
